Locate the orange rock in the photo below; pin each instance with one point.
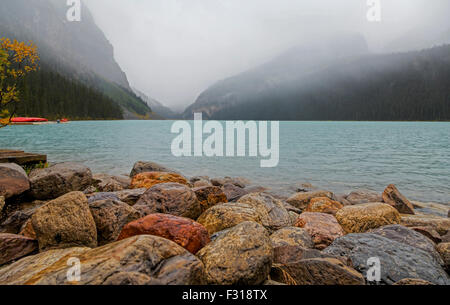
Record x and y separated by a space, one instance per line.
324 205
185 232
209 196
394 198
323 228
27 230
147 180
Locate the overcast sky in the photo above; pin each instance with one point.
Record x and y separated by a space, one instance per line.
172 50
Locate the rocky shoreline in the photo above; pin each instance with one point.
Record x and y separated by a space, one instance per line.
159 227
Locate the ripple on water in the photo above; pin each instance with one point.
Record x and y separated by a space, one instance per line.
339 156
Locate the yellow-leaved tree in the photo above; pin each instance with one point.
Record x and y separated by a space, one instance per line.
17 59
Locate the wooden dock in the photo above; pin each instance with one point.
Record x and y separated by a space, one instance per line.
20 157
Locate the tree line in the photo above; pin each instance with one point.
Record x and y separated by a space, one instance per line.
46 93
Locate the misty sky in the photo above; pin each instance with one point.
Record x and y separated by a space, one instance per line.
172 50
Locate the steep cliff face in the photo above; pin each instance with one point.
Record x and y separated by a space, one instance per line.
78 50
80 45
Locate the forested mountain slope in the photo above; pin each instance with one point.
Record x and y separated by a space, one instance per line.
403 86
76 51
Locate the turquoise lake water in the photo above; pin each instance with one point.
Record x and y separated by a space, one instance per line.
339 156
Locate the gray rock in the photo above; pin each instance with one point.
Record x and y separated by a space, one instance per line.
144 166
102 196
233 192
239 182
274 215
316 271
398 260
409 237
13 180
108 183
364 196
169 198
59 179
131 196
291 208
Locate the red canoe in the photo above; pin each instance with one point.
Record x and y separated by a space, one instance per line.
28 120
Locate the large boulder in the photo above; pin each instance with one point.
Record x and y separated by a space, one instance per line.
140 259
398 260
13 180
394 198
110 217
147 180
291 236
429 232
241 256
224 216
361 196
169 198
316 271
324 205
409 237
301 200
130 196
13 247
274 215
108 183
65 222
364 217
209 196
323 228
444 251
146 167
290 244
59 179
184 231
440 224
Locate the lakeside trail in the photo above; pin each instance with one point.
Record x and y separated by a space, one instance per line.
64 225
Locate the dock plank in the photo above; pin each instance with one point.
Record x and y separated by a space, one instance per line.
21 157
